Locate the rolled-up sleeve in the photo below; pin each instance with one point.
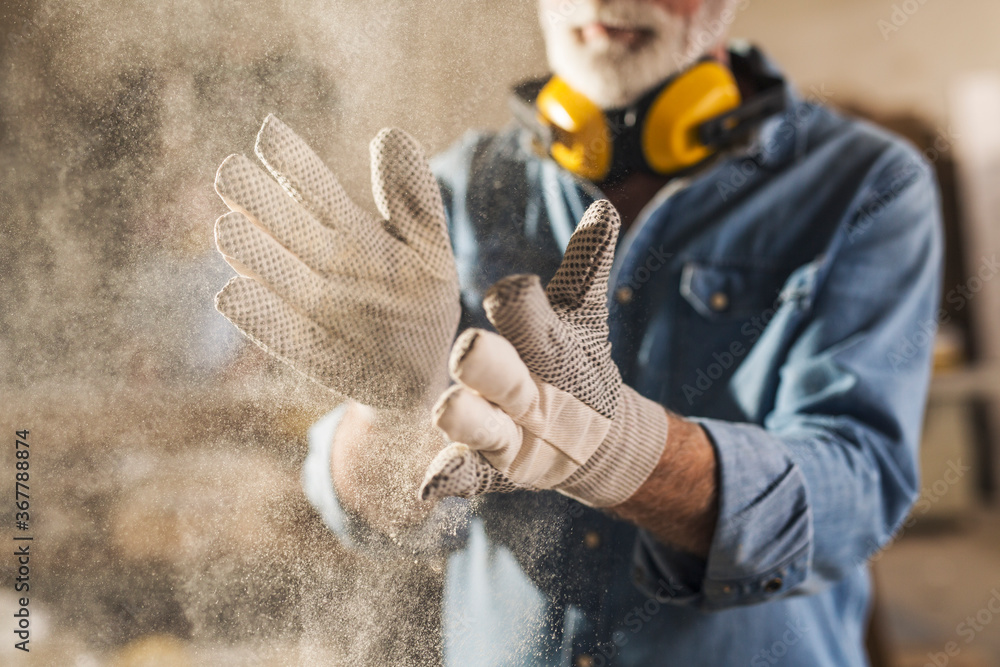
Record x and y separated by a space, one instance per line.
806 497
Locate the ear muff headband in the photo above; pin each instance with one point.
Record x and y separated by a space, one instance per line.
583 143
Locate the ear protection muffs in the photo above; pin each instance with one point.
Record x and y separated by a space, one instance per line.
673 128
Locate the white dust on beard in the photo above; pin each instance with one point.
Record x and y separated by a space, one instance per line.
613 75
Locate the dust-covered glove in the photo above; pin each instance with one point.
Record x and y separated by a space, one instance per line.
366 306
543 402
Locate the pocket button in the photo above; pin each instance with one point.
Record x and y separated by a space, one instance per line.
719 301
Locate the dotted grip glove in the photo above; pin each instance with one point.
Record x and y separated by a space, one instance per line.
366 306
542 405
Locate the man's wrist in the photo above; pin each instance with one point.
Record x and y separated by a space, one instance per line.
678 502
375 465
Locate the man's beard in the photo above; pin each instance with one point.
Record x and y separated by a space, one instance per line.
612 74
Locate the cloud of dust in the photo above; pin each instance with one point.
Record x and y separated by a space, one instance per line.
171 508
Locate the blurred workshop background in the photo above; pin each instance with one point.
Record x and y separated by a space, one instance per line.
170 525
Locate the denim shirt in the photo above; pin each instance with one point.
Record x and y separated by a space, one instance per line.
785 299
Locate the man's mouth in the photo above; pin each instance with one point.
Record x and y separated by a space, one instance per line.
603 32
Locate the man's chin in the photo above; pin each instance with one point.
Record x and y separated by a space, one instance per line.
605 89
612 76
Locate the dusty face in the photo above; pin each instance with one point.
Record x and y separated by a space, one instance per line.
612 51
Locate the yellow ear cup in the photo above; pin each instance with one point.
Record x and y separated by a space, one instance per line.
582 143
669 134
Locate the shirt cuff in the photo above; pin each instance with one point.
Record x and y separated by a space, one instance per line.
317 481
762 547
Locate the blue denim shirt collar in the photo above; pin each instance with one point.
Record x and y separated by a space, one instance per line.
779 139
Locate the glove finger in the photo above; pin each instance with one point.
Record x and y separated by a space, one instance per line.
463 472
307 178
364 315
490 366
408 196
327 356
580 285
247 188
254 253
521 453
466 417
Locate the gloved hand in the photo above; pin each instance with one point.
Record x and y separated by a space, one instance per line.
366 306
543 403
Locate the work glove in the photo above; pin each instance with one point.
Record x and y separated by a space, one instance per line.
367 306
542 402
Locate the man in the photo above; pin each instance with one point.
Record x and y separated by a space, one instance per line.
722 470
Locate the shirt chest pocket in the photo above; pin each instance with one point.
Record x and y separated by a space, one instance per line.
724 294
721 310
